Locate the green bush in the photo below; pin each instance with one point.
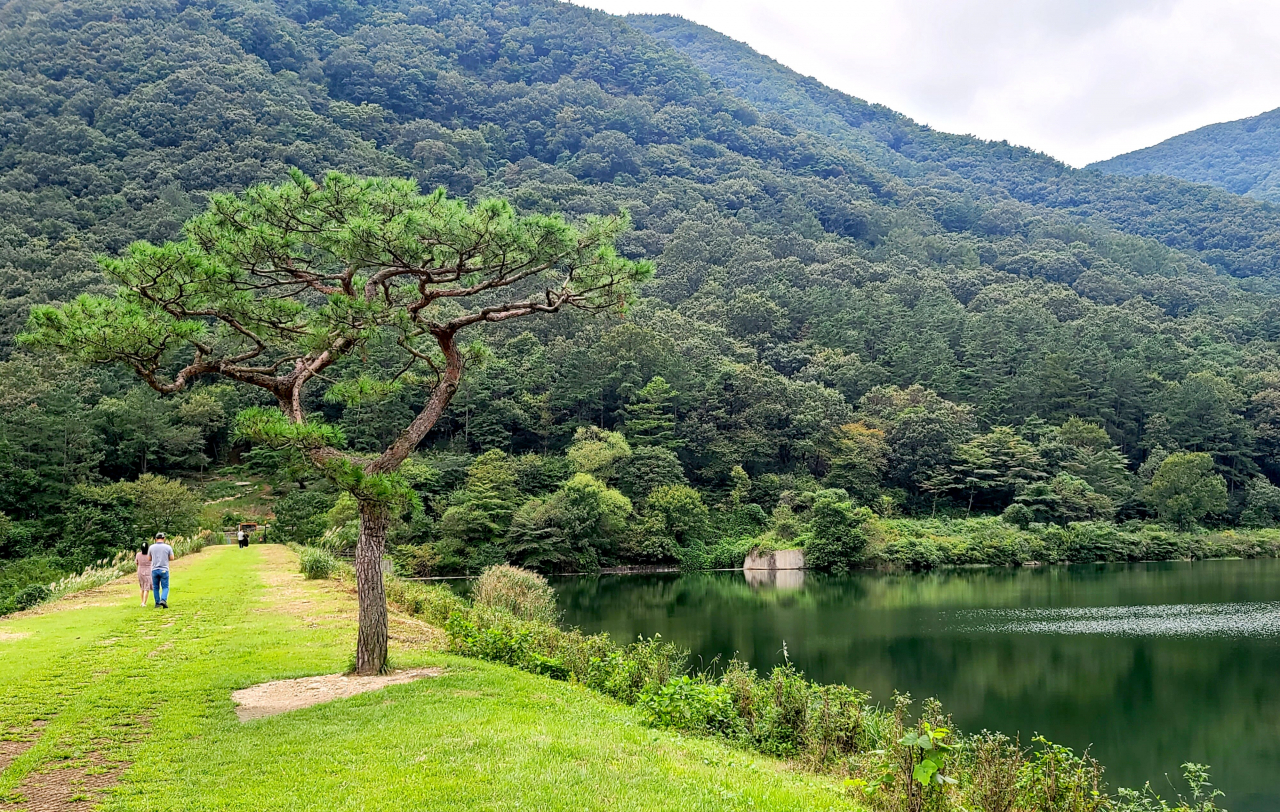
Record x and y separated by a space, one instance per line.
729 554
1256 544
316 563
15 576
1018 515
546 666
780 719
694 558
1083 542
990 541
624 673
747 519
1056 778
421 560
433 602
688 703
835 725
915 553
500 644
521 592
836 538
921 544
31 595
511 642
186 545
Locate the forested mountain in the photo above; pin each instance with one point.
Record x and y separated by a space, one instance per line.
1241 156
1233 235
843 298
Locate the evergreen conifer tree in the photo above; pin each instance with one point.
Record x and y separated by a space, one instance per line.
650 418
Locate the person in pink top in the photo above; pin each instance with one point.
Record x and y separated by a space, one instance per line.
144 571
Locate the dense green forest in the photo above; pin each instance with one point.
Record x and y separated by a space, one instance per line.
854 318
1241 156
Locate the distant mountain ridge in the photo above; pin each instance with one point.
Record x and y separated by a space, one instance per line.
1241 156
1233 235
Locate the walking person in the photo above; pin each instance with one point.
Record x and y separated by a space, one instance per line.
242 538
160 553
144 571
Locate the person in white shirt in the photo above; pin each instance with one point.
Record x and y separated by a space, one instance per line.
160 553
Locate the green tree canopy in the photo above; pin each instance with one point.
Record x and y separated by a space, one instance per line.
1186 489
1063 499
921 429
480 513
571 528
680 514
993 467
837 538
859 458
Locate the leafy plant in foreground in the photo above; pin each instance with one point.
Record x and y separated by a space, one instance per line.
1203 794
929 751
688 703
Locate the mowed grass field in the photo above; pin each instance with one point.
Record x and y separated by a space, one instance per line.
104 704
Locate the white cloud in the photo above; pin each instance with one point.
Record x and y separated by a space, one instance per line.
1081 80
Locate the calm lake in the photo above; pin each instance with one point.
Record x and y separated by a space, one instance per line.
1148 665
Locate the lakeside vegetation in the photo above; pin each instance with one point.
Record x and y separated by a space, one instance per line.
894 756
480 735
243 619
607 503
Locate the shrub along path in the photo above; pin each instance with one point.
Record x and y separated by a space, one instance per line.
105 702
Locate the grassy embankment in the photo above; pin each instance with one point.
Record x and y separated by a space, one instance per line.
107 692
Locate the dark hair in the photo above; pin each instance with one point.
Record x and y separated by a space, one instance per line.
146 545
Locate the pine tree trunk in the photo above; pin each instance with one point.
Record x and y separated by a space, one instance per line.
371 640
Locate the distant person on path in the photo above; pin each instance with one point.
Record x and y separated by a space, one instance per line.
242 538
160 553
144 571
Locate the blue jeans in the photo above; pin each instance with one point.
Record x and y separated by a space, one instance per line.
160 586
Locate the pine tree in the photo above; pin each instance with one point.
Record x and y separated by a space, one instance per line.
650 418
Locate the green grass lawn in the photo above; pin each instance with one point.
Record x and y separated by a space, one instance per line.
141 697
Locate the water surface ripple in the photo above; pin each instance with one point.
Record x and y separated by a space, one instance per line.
1170 620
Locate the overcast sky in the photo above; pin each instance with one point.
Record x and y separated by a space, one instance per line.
1081 80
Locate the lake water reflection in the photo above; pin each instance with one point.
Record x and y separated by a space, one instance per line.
1148 664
